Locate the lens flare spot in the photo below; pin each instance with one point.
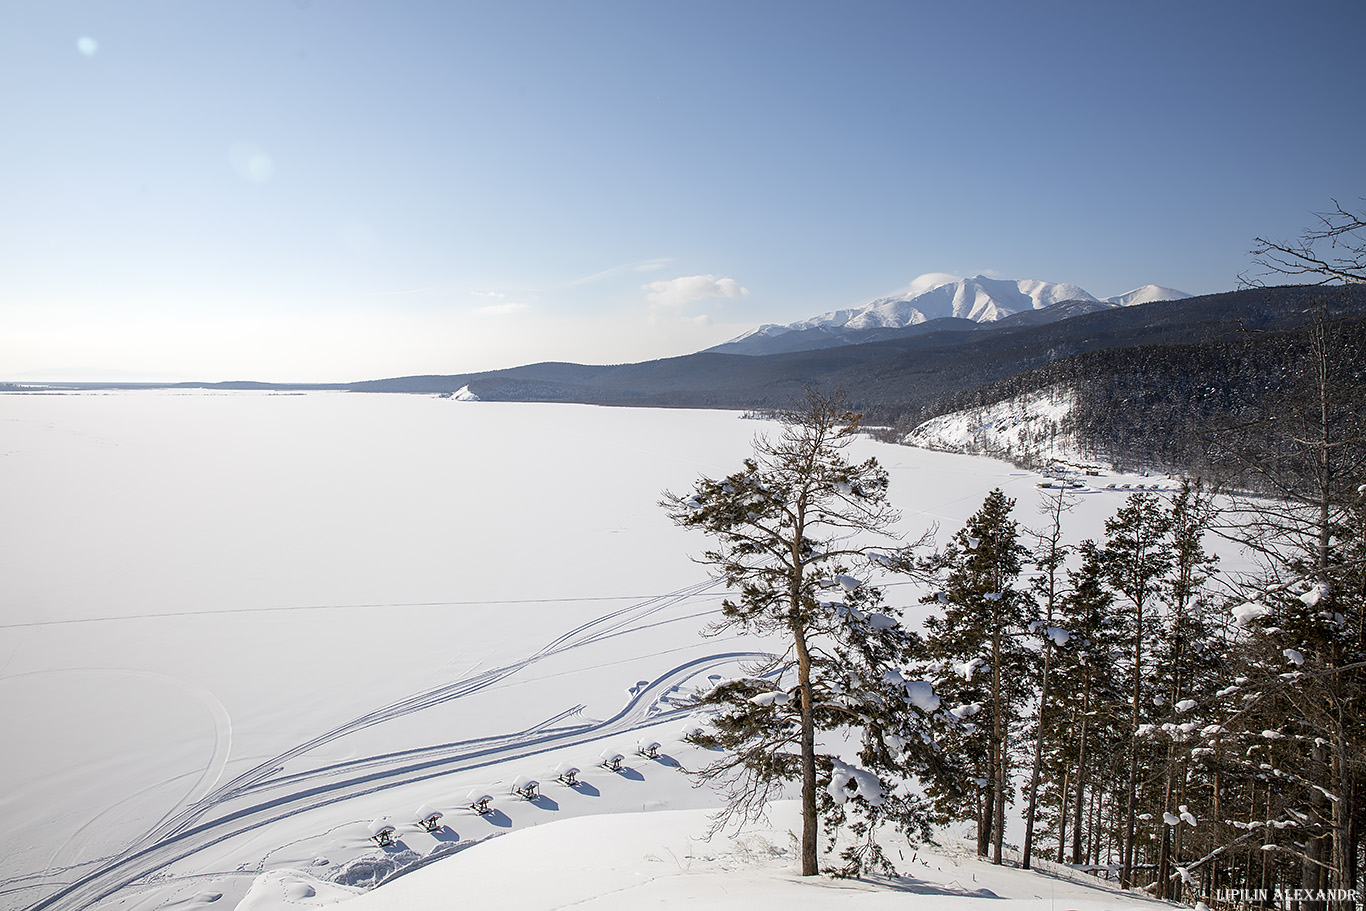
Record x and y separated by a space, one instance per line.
251 162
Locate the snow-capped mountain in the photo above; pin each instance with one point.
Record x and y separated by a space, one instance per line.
935 295
1147 294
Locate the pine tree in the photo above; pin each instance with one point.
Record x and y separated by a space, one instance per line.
979 642
1049 557
1298 688
1186 665
790 530
1092 693
1136 557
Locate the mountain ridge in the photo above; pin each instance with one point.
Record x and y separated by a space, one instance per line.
897 376
933 296
903 375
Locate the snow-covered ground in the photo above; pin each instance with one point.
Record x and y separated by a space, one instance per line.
659 860
1033 428
237 628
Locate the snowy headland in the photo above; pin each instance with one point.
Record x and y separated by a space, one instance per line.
239 628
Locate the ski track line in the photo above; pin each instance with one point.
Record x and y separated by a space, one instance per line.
447 692
641 711
384 759
206 778
288 608
399 709
251 779
262 777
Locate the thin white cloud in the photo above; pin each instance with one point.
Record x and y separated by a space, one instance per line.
648 265
676 292
661 317
504 309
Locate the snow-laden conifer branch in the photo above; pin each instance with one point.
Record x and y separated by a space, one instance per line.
789 528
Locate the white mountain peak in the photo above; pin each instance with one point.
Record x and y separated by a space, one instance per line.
1146 294
979 298
939 294
931 280
935 295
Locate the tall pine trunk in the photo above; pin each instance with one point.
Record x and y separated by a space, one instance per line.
1131 781
810 843
810 821
1081 775
986 808
1000 785
1064 811
1038 756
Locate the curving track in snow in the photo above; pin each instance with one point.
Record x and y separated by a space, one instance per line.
267 793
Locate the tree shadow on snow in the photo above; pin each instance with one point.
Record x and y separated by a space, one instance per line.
909 884
913 886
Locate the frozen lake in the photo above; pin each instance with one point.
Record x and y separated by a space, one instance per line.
215 603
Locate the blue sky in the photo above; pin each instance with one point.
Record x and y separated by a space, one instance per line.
331 190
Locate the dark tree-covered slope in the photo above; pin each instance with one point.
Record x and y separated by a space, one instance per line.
1190 406
900 378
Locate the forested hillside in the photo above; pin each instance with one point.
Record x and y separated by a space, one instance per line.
902 379
1195 734
1202 408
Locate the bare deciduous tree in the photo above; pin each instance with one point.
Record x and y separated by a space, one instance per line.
1333 250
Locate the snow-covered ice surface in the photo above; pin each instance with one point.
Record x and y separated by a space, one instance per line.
239 628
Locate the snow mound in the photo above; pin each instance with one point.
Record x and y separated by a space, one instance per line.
279 889
663 860
199 900
370 870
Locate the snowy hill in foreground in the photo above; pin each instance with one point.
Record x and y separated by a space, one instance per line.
660 860
937 295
